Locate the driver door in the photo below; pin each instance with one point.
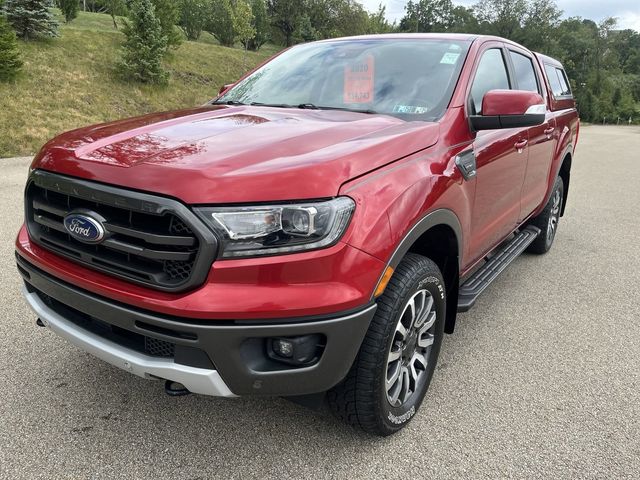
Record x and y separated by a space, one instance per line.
501 160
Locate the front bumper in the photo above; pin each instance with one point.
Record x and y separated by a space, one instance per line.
221 358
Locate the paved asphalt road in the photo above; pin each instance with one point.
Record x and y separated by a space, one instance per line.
540 380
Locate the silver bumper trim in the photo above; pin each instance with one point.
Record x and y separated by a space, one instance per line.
196 380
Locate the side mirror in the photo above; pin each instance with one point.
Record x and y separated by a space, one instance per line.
224 88
510 109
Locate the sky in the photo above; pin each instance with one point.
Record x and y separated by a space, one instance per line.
627 11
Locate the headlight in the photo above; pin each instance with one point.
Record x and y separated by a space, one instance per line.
276 229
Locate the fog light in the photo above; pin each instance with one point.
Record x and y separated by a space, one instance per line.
283 348
302 350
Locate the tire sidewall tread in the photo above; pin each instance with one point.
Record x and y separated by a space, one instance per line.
361 398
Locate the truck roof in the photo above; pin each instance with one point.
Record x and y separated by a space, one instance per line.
381 36
549 60
443 36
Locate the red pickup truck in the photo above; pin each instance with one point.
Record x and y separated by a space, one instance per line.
312 232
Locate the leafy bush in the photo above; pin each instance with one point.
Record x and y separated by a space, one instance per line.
145 45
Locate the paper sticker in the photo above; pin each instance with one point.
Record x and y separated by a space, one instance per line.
359 80
410 109
450 58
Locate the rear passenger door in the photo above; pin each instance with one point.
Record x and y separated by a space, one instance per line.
501 159
542 138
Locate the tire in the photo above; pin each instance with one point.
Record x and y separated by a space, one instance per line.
363 398
548 220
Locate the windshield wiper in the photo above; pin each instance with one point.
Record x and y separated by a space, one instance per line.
311 106
306 106
273 105
228 102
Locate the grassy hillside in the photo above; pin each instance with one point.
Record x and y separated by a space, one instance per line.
70 81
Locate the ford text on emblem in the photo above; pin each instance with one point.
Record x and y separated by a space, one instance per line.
84 228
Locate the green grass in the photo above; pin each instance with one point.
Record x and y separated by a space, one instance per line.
71 81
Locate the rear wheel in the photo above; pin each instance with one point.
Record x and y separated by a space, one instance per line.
548 220
393 369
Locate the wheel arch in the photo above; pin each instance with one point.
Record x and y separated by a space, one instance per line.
565 174
438 236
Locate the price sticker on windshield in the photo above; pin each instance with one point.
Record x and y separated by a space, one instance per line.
359 80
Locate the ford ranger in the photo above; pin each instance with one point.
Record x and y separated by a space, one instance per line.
310 233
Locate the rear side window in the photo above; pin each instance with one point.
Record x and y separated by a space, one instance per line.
558 81
524 72
566 89
491 75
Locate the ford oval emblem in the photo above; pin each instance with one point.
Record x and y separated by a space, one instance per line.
84 228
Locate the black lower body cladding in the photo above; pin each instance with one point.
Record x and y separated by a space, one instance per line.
237 350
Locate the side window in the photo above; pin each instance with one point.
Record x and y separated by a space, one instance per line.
490 75
566 89
557 81
524 72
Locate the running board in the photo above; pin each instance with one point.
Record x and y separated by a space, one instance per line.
473 287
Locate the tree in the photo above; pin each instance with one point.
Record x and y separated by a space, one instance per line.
502 17
168 13
378 22
540 23
193 17
243 28
145 45
350 19
427 16
463 20
69 9
31 18
221 22
10 62
306 32
260 24
627 45
285 16
115 8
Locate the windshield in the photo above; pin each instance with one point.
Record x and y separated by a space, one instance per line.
408 78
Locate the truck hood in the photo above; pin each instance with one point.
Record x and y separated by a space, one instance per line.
221 154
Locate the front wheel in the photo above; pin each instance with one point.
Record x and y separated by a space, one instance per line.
393 369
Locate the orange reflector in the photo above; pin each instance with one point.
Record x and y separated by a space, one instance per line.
386 276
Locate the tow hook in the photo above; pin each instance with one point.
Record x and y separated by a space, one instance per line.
175 389
40 323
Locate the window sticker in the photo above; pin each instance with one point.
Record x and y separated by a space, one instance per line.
359 80
450 58
410 109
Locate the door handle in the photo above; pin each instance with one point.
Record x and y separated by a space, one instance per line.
549 131
520 145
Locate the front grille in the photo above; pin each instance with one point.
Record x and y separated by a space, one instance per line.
149 240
